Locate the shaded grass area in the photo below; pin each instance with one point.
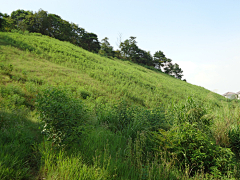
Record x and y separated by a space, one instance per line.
18 159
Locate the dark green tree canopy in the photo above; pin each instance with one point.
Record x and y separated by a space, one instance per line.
129 48
173 69
19 15
144 57
51 25
1 21
130 51
159 59
106 48
177 71
90 42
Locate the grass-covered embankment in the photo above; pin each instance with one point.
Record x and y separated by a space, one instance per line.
106 118
49 61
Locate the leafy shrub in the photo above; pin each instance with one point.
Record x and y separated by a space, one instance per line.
116 116
124 115
146 120
193 111
31 87
129 119
191 141
62 115
234 139
194 149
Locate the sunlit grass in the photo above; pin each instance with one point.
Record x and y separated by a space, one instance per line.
61 63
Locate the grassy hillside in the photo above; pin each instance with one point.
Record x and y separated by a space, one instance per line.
37 58
66 113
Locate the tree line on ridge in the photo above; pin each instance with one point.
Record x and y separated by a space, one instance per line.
54 26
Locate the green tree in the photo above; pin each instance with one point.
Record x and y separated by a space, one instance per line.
19 15
41 23
173 69
106 48
177 71
76 34
118 54
129 49
159 59
90 42
131 52
168 66
54 24
8 23
66 31
61 29
19 19
2 21
144 57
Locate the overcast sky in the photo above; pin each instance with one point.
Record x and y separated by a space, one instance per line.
202 36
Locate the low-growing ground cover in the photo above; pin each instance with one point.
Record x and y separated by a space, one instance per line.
66 113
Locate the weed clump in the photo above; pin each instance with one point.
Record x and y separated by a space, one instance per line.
190 141
234 139
63 116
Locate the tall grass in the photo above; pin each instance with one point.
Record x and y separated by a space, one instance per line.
17 158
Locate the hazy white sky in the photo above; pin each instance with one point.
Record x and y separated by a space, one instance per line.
202 36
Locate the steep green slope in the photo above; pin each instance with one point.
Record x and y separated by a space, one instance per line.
44 60
150 129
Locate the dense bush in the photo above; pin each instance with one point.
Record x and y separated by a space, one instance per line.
234 139
146 120
190 141
63 116
194 150
116 116
193 111
129 119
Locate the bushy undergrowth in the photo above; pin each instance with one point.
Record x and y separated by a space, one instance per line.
234 139
129 119
123 141
190 140
62 115
194 150
188 144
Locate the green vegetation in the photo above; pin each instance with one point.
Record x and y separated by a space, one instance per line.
66 113
54 26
